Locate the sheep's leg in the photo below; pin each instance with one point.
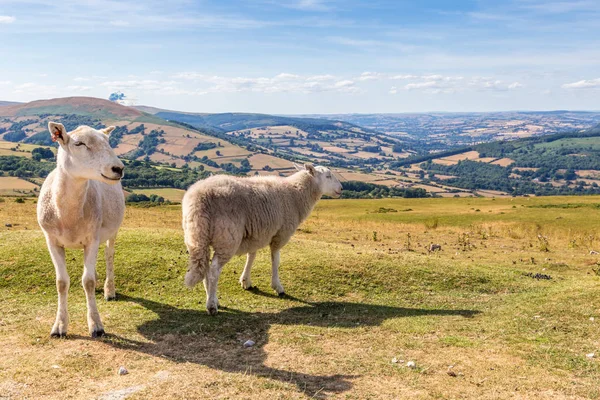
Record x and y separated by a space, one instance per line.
57 253
109 284
245 280
211 282
275 283
90 254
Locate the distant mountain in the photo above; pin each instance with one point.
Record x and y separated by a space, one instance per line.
71 105
228 122
8 103
440 130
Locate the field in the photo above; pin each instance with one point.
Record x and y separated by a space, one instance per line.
172 194
12 186
364 298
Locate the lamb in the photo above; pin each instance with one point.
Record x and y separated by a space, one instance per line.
81 204
238 216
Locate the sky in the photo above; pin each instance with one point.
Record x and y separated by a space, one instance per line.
306 56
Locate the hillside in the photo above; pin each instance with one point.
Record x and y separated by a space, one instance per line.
168 149
187 149
440 130
562 163
335 143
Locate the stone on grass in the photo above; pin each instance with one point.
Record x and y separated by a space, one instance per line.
411 365
249 343
122 371
590 355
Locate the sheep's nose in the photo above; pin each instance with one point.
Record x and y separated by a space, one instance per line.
118 170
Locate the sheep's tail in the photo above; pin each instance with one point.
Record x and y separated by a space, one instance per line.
196 227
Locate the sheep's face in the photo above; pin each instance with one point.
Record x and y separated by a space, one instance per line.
85 153
329 184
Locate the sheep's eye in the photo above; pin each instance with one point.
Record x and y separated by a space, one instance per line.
80 144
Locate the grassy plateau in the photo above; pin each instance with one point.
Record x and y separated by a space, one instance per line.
508 308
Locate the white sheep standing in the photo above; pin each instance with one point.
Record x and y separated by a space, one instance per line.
81 204
238 216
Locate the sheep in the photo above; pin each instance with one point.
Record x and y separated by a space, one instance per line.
81 204
238 216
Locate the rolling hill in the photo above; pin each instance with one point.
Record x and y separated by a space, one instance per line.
175 144
169 149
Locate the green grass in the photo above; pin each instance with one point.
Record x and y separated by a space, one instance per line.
586 142
353 304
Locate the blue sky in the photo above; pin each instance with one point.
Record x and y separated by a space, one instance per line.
306 56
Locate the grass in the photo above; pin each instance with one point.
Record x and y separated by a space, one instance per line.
354 304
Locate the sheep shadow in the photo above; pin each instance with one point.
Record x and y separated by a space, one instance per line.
189 335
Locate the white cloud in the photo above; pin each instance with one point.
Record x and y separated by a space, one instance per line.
403 77
7 19
371 76
583 84
81 79
515 85
5 82
393 90
77 88
421 85
283 82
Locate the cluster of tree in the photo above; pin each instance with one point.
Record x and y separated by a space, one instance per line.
142 174
372 149
42 153
147 146
397 148
204 146
116 135
474 175
243 169
138 129
24 167
14 136
16 132
141 198
363 190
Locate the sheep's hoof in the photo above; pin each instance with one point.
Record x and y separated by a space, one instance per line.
282 294
58 335
98 333
212 311
111 297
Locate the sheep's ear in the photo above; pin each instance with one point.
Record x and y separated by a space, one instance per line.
311 169
58 132
108 130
